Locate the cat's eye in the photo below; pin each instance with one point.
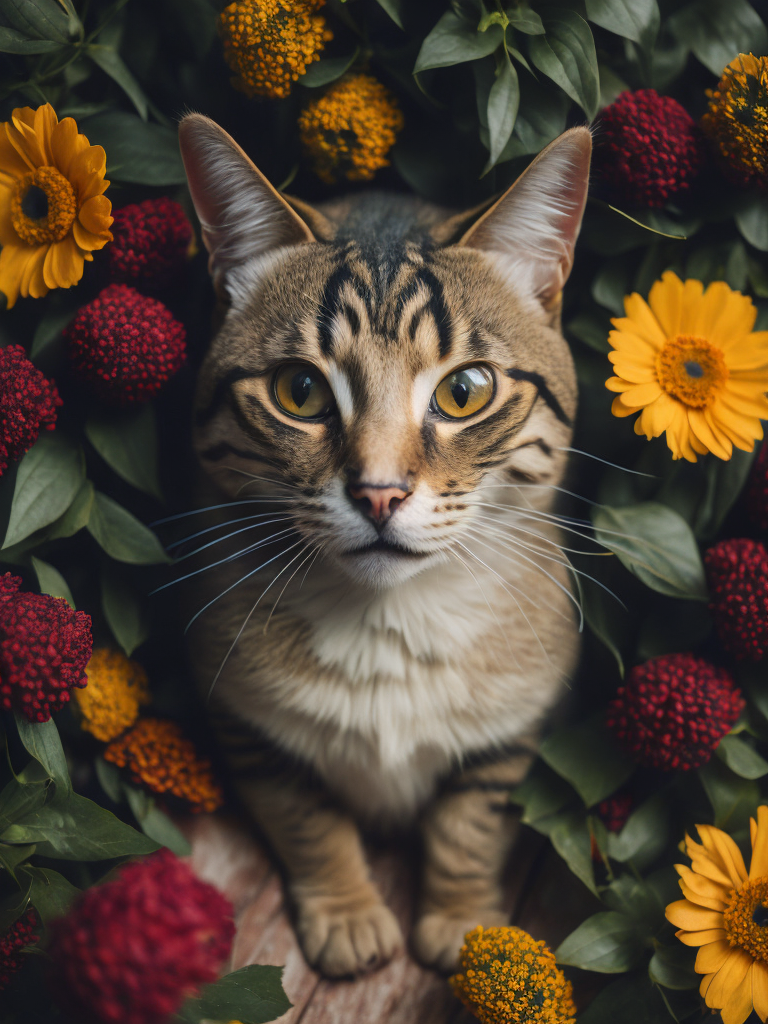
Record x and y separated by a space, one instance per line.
301 390
464 392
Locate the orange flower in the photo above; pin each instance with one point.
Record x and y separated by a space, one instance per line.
111 700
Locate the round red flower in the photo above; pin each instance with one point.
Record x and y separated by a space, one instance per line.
21 933
648 149
151 241
132 950
615 811
737 574
44 648
757 490
28 403
673 711
125 346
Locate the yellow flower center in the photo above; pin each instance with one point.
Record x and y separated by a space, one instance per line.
691 369
43 206
746 919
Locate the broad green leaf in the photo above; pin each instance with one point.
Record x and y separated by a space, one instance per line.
137 152
51 894
541 794
112 64
12 907
610 284
51 324
656 544
522 18
124 615
741 758
752 222
608 619
323 72
627 1001
454 40
672 967
393 9
566 54
641 899
77 515
40 19
569 834
51 581
503 102
734 799
121 534
128 444
608 943
74 828
20 798
629 18
12 41
154 823
587 757
252 995
42 741
644 836
12 856
724 483
49 477
717 32
109 778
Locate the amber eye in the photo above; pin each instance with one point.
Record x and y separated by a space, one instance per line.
464 392
301 390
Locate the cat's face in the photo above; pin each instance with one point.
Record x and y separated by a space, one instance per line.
388 390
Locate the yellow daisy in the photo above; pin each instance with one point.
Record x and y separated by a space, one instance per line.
725 913
689 362
53 213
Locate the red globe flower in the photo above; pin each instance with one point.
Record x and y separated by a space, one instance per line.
673 711
648 148
44 648
757 489
152 241
28 403
737 574
21 933
132 950
125 346
615 811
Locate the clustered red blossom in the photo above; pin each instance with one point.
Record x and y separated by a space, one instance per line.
648 149
28 401
614 811
151 241
737 574
21 933
673 711
757 489
125 346
132 950
44 648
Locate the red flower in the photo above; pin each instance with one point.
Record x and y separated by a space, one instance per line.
151 241
648 148
28 403
673 711
125 346
44 648
21 933
614 811
737 574
757 489
132 950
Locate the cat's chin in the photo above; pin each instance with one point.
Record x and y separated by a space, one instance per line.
380 567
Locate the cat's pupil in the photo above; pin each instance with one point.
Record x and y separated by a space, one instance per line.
460 393
301 385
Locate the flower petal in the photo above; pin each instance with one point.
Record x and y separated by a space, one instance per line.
728 979
95 216
711 957
657 416
760 990
644 323
12 164
44 123
692 917
64 264
720 845
666 300
698 420
641 394
759 865
700 938
739 1004
32 282
631 370
692 293
66 143
13 261
703 886
85 166
619 409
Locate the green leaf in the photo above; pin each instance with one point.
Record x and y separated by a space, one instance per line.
49 477
733 798
525 20
587 757
12 907
252 995
541 794
741 758
454 40
51 581
121 534
50 893
672 967
323 72
752 222
644 836
49 328
112 64
20 798
503 102
569 835
392 7
154 823
128 444
137 152
77 515
591 329
12 41
632 19
566 54
109 778
717 32
74 828
610 284
124 615
627 1001
607 942
656 544
724 483
42 741
40 19
606 617
12 856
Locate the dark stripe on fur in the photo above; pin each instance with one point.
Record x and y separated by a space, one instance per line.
541 386
222 392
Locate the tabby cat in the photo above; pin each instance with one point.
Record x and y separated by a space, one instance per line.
382 420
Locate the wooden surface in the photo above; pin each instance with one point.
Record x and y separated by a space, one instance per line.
542 897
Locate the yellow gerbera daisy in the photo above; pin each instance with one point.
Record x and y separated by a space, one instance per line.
689 359
53 213
725 913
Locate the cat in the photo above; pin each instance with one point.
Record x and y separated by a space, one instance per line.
383 419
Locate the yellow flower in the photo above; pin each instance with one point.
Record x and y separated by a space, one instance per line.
725 913
53 213
509 978
116 688
349 131
269 43
737 118
688 358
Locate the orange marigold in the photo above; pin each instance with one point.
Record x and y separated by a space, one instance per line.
270 43
349 131
737 119
117 687
158 755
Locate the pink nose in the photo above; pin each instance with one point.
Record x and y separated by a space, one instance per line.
378 503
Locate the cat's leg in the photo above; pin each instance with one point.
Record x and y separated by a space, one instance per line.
343 925
468 833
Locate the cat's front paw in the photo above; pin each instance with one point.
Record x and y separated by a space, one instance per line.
350 940
437 937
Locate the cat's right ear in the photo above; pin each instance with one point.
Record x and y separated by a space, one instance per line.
243 218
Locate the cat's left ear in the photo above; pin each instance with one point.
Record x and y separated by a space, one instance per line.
534 226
